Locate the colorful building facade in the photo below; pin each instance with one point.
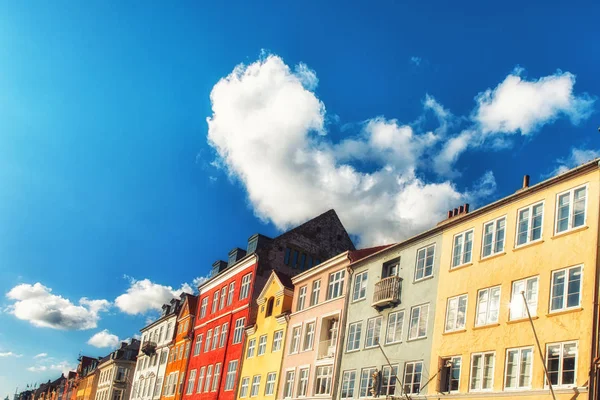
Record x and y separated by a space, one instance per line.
265 339
115 372
532 253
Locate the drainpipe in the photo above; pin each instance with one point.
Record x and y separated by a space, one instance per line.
342 332
594 379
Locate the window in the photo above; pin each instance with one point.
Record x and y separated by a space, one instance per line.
295 344
215 303
255 385
200 381
323 377
566 289
204 307
216 337
270 304
562 363
494 233
488 304
359 291
391 268
354 331
373 332
277 341
412 377
262 345
289 384
223 297
418 322
180 352
181 381
450 374
316 291
389 376
463 247
366 382
348 382
158 387
169 331
456 311
244 389
239 330
303 382
231 371
336 285
518 368
517 305
208 379
198 345
482 371
230 295
394 327
187 350
245 289
286 257
223 338
309 336
251 347
191 379
270 384
301 298
215 384
570 209
208 338
424 262
529 224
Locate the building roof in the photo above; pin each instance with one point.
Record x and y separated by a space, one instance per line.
284 279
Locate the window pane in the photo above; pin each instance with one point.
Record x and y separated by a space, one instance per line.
558 290
536 232
574 287
563 213
523 226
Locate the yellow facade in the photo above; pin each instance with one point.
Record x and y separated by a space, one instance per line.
511 336
274 305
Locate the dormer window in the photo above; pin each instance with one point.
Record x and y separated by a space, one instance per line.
269 311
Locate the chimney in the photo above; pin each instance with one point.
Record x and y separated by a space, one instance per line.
461 209
525 181
449 213
235 255
455 213
218 266
466 208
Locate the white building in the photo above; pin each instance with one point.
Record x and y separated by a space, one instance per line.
115 372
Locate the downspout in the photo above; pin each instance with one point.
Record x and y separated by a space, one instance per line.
593 381
342 333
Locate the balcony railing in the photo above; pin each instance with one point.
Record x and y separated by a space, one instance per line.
387 292
149 348
326 349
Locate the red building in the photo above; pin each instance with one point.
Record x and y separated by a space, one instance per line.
226 302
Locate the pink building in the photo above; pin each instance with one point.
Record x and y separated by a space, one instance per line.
315 328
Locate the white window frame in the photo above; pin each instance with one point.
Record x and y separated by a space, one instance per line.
251 348
270 384
463 260
277 341
215 339
309 335
262 345
516 300
481 376
323 373
359 289
571 193
288 387
495 237
296 339
255 383
208 340
303 380
453 320
198 344
488 312
245 288
204 307
200 383
208 379
419 320
566 284
245 387
560 384
223 338
520 351
215 304
350 382
354 337
423 257
413 374
238 332
216 376
367 373
191 379
301 303
230 294
373 339
231 373
315 293
223 298
335 284
392 327
392 373
529 220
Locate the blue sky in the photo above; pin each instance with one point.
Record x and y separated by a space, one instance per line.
114 184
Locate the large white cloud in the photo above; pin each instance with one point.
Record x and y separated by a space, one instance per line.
517 104
104 339
144 295
36 304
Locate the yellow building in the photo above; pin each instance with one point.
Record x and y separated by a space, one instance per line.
263 353
540 243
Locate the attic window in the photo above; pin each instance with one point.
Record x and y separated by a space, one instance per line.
269 311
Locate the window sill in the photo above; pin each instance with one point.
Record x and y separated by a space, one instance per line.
567 311
352 351
486 326
516 321
524 246
358 300
492 256
423 279
415 339
393 343
567 232
460 266
454 332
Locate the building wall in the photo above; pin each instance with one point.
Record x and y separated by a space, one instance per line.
414 293
552 252
270 361
324 309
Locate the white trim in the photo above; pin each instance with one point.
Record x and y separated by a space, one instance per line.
464 234
565 294
494 237
345 256
456 328
529 228
482 354
228 274
562 344
202 325
520 349
424 263
571 198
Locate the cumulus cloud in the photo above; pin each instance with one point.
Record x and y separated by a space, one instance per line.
63 367
41 355
10 354
199 281
577 156
144 295
269 130
520 105
104 339
36 304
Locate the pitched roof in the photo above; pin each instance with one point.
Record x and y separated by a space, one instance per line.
362 253
284 279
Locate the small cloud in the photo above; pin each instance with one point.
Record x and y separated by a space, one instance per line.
104 339
63 367
576 157
416 60
41 355
213 178
199 281
37 368
10 354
